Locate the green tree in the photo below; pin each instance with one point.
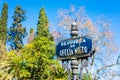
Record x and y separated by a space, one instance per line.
37 55
31 35
45 50
45 56
0 27
31 62
34 61
57 72
3 23
17 32
12 66
42 26
2 48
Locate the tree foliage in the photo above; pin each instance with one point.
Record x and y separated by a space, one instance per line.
42 26
32 62
2 48
35 60
31 35
17 32
3 23
12 67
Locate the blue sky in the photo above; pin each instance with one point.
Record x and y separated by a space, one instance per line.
94 8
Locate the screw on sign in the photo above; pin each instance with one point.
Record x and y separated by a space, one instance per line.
73 47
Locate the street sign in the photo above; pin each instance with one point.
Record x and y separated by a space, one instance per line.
74 47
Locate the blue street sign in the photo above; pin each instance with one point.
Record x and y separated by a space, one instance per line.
74 46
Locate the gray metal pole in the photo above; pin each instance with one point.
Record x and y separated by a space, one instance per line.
74 62
74 67
68 70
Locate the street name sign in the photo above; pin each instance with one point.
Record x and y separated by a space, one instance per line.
74 47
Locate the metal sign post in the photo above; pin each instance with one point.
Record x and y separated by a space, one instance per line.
74 62
73 49
74 67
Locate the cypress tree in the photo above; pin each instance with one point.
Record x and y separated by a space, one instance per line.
17 32
0 27
31 35
3 23
42 26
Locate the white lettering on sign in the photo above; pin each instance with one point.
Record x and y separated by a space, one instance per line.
76 51
68 52
62 44
72 46
84 48
65 43
84 40
69 42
